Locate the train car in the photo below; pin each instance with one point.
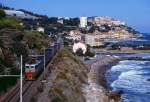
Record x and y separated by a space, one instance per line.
35 66
56 47
31 69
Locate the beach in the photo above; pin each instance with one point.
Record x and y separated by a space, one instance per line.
97 89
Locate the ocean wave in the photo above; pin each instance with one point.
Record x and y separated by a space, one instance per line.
132 73
126 67
131 77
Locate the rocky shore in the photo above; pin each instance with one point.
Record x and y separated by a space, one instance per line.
97 89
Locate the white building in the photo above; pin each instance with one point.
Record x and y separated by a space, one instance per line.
101 20
74 37
79 45
61 21
14 13
83 22
40 29
19 14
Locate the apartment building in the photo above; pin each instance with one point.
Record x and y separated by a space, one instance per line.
83 22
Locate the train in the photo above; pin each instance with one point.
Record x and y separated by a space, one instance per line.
35 65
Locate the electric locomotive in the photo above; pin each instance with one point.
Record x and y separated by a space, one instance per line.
34 66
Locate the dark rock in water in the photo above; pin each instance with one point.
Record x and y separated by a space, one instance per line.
115 95
148 80
120 92
147 92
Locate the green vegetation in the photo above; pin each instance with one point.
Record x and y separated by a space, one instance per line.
16 41
79 52
89 52
66 43
4 63
2 14
56 99
19 49
35 40
10 22
6 83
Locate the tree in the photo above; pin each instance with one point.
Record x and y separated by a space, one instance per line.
79 52
10 22
2 13
19 49
35 40
53 20
88 52
72 22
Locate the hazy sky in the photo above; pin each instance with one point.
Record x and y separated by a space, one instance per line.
135 13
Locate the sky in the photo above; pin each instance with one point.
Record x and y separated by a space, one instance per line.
136 13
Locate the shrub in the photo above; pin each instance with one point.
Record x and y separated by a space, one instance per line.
2 13
56 99
10 22
79 52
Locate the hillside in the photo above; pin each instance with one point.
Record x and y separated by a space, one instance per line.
67 76
16 41
20 13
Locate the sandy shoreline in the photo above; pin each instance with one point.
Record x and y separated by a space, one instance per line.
99 68
97 90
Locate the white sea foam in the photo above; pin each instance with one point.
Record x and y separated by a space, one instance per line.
132 79
132 73
125 67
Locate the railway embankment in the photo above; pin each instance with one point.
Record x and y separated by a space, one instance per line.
66 78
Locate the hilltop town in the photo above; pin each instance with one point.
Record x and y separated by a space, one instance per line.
95 30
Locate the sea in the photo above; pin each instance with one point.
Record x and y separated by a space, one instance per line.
133 78
146 36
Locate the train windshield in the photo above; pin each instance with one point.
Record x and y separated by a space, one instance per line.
32 66
27 66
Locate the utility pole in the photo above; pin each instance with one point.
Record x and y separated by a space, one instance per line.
20 76
21 79
44 64
44 76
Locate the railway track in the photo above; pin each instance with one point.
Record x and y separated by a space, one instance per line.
13 95
16 97
29 88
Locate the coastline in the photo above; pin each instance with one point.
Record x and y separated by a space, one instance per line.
99 68
97 89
